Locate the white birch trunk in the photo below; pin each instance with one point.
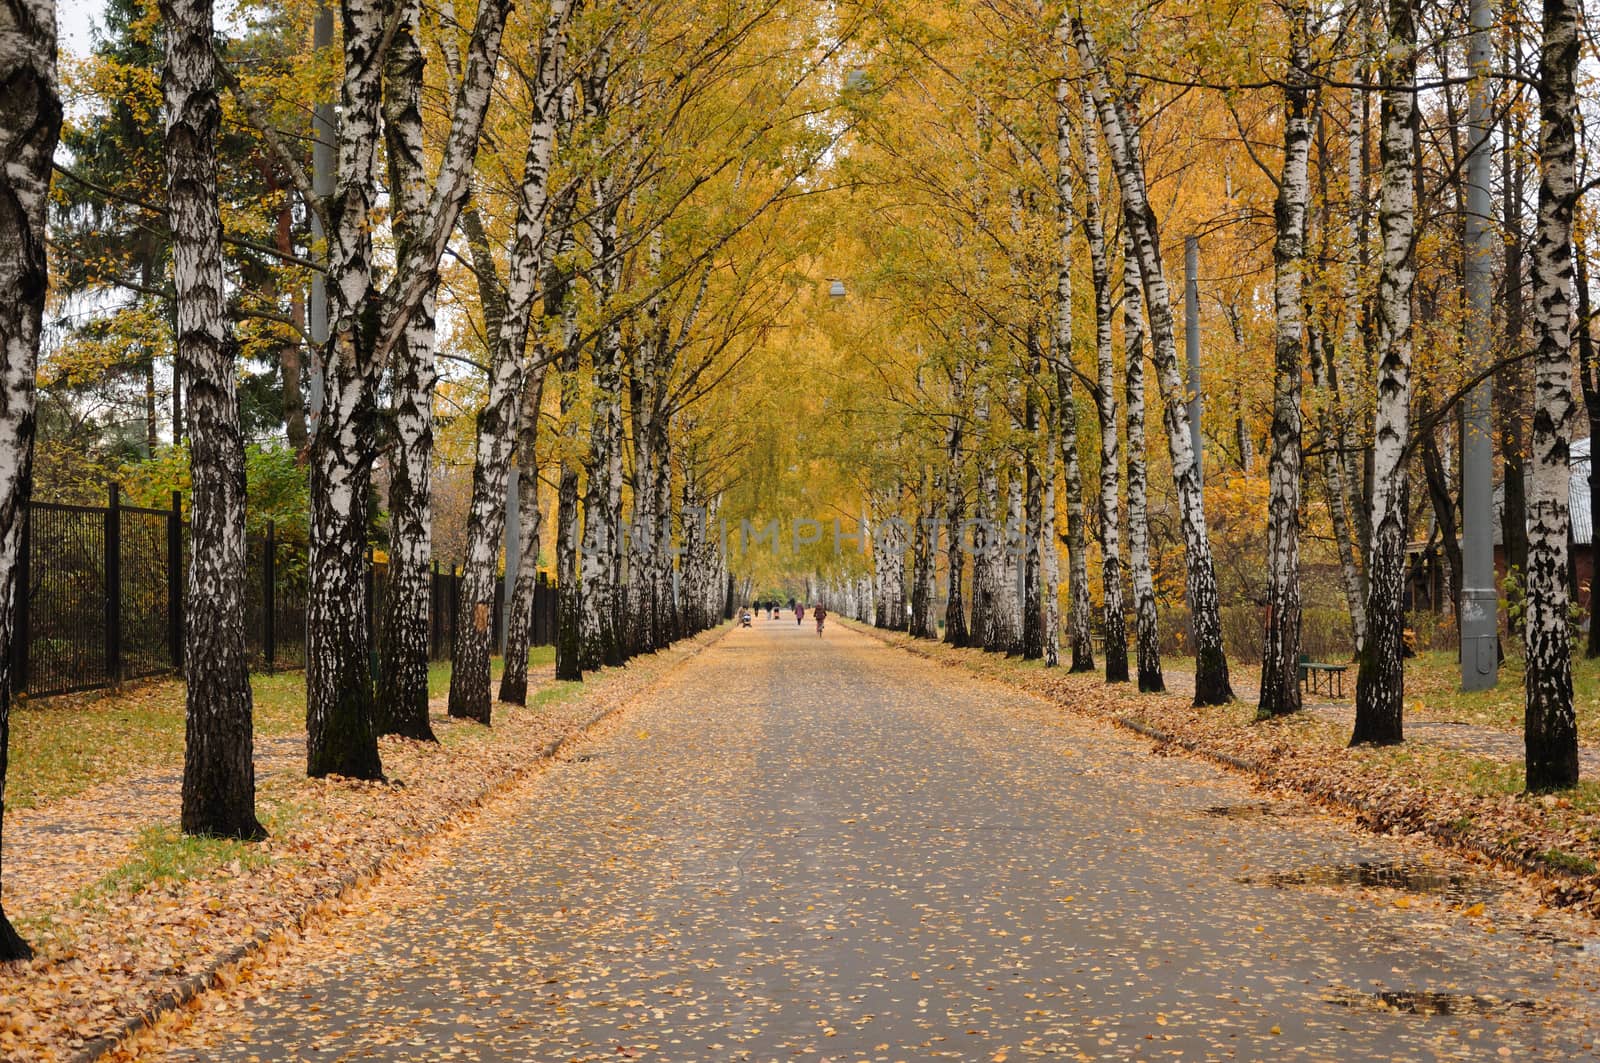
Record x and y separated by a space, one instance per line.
1551 733
1280 667
497 422
1146 620
1121 134
340 734
402 696
218 761
1380 682
514 670
955 509
1114 614
1079 636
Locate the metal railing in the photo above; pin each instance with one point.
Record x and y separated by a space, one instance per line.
100 598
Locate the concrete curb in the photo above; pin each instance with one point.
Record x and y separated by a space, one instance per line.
198 983
1366 815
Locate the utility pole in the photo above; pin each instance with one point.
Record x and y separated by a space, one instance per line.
1191 344
1479 600
322 164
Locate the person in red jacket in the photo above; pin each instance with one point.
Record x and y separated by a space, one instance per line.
821 614
799 613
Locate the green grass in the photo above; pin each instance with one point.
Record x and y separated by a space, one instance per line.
63 746
1580 865
1433 681
166 855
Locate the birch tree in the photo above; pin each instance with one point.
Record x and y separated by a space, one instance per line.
1121 136
1146 619
1380 680
1079 637
519 616
401 705
497 422
30 123
1551 732
1114 620
219 791
365 322
1280 664
955 507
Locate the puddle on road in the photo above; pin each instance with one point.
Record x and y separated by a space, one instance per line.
1407 876
1429 1002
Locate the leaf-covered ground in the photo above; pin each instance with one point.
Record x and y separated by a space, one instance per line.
826 849
124 910
1458 781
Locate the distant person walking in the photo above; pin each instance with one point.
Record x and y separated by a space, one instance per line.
799 614
821 614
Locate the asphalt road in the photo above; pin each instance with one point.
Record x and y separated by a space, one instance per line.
827 849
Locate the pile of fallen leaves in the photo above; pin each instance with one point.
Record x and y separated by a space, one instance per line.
106 958
1544 836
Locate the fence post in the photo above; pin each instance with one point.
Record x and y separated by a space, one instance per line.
269 610
113 570
175 582
19 615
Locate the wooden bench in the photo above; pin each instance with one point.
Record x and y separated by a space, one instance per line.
1321 678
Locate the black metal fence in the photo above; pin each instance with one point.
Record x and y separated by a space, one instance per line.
100 598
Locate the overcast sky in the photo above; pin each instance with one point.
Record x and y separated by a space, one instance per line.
74 19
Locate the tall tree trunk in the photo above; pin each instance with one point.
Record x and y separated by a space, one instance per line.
1114 613
401 705
924 547
1079 636
1280 662
30 123
340 735
569 593
1050 563
955 510
1380 680
497 422
599 636
1211 685
985 529
1033 568
1551 730
219 783
1146 620
514 671
364 324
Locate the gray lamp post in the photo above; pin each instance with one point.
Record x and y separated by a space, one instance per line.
1479 601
